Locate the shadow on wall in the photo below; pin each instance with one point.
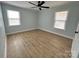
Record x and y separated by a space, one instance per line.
78 55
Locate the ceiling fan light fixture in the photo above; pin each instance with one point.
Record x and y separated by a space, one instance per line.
39 5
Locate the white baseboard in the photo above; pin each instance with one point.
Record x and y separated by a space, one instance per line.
21 31
56 33
43 30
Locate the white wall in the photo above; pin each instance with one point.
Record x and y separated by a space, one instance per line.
28 19
2 36
47 18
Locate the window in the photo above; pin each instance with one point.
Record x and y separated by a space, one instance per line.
13 17
60 19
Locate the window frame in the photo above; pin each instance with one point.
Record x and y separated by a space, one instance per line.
65 21
9 18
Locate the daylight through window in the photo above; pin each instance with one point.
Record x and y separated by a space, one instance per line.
13 17
60 19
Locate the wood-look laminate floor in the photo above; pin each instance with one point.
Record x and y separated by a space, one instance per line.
37 43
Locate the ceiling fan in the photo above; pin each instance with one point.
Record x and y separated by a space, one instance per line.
39 5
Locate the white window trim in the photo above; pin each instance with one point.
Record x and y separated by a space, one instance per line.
63 20
9 18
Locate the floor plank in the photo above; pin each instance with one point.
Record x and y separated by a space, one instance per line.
38 44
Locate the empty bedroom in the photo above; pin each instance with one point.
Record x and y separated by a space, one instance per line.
39 29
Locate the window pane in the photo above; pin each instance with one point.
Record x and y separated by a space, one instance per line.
13 14
61 15
59 24
14 21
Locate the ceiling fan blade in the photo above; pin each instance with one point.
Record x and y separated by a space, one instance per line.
32 3
40 3
44 7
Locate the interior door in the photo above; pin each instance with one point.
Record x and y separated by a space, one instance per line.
75 44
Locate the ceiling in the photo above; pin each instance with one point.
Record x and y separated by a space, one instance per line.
25 4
